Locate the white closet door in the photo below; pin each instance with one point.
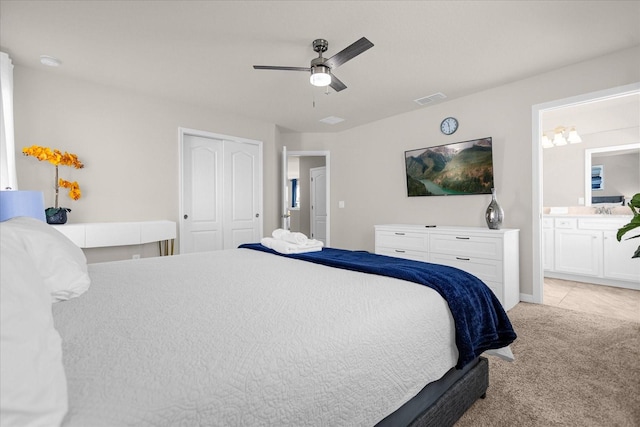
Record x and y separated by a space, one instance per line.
202 221
242 196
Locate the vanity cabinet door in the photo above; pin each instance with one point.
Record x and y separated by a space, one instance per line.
578 252
618 263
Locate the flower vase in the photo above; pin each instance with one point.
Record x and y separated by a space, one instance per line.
494 214
56 215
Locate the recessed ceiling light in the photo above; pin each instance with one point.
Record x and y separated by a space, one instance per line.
50 61
332 120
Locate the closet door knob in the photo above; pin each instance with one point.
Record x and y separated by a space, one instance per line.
186 216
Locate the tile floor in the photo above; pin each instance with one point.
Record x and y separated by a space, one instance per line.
618 303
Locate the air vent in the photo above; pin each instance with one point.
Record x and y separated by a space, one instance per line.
429 99
332 120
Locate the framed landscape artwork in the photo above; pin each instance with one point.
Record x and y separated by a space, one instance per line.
460 168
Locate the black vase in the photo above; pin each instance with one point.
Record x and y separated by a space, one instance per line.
56 215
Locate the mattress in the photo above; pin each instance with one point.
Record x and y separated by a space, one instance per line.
241 337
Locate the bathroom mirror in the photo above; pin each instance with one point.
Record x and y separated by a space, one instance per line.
622 166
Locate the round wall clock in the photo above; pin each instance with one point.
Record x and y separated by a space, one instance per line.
449 125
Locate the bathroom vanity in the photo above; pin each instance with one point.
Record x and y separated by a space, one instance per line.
584 248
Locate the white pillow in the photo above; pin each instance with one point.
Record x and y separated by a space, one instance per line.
33 387
61 263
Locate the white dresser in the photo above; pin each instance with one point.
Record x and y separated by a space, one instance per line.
490 255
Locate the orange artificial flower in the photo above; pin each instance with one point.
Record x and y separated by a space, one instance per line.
58 158
74 188
55 157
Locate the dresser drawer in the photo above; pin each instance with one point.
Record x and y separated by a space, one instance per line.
612 224
466 246
486 270
402 240
566 223
403 253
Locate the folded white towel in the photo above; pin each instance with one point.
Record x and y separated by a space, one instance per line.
288 236
279 232
284 247
295 237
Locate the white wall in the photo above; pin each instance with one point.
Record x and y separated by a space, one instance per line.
367 164
129 145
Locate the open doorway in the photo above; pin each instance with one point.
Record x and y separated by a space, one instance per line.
542 117
302 203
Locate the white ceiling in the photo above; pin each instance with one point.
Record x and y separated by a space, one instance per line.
202 52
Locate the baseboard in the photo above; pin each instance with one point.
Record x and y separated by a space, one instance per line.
594 280
527 298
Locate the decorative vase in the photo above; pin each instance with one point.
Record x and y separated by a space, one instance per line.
56 215
494 214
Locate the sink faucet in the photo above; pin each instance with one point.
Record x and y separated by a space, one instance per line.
601 210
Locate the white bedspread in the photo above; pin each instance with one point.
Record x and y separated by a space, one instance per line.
245 338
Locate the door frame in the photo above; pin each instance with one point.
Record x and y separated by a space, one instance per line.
313 200
182 132
536 133
327 163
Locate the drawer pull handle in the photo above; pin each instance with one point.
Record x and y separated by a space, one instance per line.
399 234
463 259
399 251
462 238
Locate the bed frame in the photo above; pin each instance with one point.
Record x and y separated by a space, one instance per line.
443 402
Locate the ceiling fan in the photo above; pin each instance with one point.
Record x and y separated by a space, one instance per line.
321 68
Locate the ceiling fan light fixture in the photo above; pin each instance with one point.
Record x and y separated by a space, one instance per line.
320 76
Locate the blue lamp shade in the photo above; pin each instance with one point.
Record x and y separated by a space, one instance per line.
21 203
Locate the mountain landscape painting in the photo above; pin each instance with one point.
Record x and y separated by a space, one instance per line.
452 169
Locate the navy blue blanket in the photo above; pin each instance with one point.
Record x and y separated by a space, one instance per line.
480 321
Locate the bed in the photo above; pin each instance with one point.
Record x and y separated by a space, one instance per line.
234 338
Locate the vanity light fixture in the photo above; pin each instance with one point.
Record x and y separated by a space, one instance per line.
573 137
558 137
561 136
546 142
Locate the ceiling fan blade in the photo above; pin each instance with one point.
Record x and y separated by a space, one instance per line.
348 53
270 67
336 84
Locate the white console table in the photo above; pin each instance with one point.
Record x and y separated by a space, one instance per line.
490 255
105 234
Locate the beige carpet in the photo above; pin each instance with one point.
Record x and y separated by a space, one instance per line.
571 369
